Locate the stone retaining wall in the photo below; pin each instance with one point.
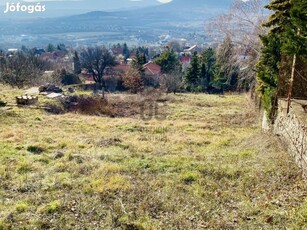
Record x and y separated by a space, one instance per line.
292 129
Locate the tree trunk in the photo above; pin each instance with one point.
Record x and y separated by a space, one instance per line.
292 79
291 83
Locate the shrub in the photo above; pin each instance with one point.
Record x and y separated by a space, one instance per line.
69 78
133 80
89 105
171 83
113 83
151 81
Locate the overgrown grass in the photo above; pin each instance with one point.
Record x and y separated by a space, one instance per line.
206 165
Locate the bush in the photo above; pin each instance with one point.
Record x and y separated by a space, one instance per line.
133 81
89 105
171 83
151 81
113 83
69 78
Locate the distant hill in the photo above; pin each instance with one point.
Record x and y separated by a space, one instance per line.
56 8
180 11
176 17
177 11
223 4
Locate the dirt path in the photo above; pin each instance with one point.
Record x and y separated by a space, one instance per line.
32 90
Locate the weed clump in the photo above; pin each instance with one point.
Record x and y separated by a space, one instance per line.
189 177
35 149
52 207
21 207
24 168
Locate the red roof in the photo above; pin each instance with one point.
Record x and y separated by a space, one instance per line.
46 56
152 68
122 67
185 59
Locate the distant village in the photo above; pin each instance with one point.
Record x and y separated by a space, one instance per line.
61 57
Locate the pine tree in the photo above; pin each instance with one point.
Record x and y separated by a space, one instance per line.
50 48
77 63
295 36
203 75
168 61
126 51
268 67
138 62
192 77
281 16
207 69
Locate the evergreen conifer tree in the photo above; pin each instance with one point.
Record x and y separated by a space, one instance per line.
168 61
192 77
207 69
269 64
77 63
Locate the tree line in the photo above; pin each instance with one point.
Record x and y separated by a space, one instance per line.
213 70
284 51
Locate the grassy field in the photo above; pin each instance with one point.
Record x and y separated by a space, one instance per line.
204 164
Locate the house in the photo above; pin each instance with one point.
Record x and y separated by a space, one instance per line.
192 49
152 69
38 51
185 59
12 50
119 69
117 51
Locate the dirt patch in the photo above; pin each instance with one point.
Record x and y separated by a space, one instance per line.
33 90
108 142
113 106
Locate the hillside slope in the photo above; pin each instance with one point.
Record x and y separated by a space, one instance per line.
206 165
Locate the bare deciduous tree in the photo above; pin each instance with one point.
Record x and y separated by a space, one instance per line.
243 24
171 82
95 60
20 69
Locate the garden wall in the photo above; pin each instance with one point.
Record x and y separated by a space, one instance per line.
292 129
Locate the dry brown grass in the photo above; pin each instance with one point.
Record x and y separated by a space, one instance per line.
207 165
